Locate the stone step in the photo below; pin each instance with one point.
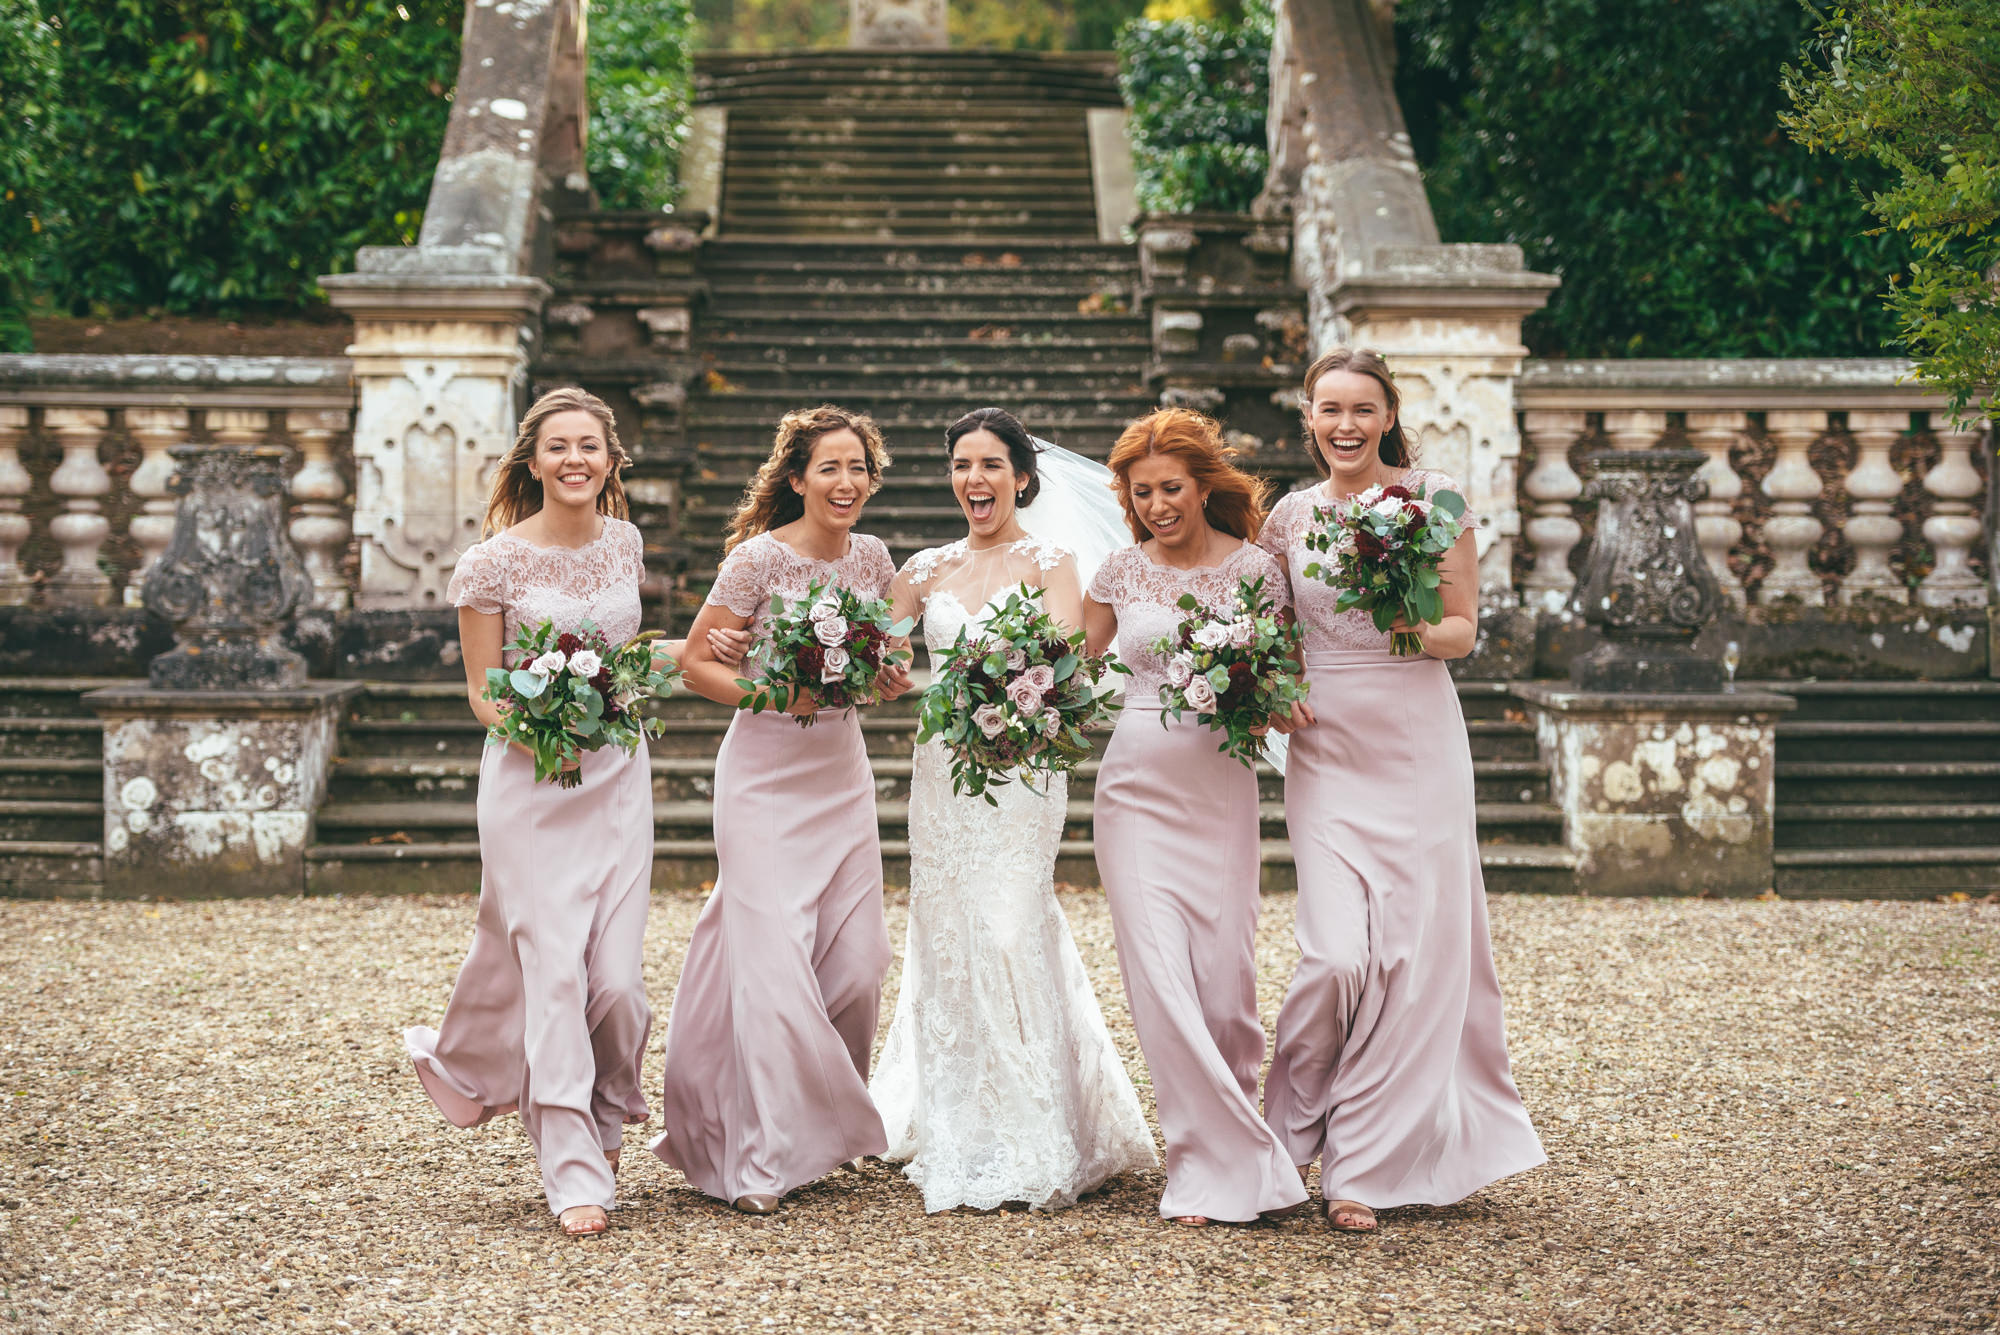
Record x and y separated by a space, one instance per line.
893 223
1002 307
1887 701
51 869
1889 781
42 736
974 326
899 294
869 171
954 185
763 406
52 778
453 868
1821 740
44 821
1010 371
1886 873
52 697
806 255
1904 825
905 127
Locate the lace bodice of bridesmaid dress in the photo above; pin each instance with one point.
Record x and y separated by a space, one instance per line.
763 565
526 585
1284 536
960 585
1144 594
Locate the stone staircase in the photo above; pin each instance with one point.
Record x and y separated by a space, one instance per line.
51 788
402 817
1889 789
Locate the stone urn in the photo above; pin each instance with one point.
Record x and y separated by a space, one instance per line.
230 578
1646 586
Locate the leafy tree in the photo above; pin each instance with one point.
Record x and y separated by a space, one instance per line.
641 83
1635 149
1198 93
27 86
1915 86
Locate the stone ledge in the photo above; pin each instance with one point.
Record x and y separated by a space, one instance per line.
1559 698
141 699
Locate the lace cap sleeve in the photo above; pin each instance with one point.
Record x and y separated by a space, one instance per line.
1046 555
1283 525
919 568
1107 586
875 569
633 543
479 580
744 582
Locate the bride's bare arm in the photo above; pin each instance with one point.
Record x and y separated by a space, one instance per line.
1063 596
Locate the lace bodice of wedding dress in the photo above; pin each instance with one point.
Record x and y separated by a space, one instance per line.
998 1081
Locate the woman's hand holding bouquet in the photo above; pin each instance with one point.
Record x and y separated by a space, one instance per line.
830 649
1235 670
1016 698
571 692
1389 545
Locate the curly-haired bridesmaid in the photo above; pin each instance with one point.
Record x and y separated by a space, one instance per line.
1390 1065
774 1019
549 1014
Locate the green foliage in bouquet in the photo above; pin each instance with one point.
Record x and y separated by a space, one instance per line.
1017 699
571 692
1232 669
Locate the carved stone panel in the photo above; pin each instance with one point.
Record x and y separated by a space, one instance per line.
897 23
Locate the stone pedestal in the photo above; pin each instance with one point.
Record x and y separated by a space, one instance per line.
212 793
1662 794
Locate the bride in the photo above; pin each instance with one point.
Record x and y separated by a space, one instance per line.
998 1082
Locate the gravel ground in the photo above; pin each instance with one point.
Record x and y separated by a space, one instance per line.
1760 1116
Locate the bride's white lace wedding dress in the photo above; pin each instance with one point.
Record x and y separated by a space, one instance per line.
998 1081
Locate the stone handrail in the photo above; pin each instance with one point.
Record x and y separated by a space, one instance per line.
1828 480
84 464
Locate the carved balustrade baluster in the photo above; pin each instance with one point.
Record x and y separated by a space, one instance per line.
1634 429
81 529
1954 525
156 430
318 528
16 588
240 428
1792 529
1872 529
1715 525
1552 485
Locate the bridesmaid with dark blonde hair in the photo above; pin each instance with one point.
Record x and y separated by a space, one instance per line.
774 1020
549 1014
1177 824
1390 1065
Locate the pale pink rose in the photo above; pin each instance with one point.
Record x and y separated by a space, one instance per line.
585 663
1016 660
1200 695
1180 668
1212 635
1026 697
1041 676
830 631
991 719
1050 722
833 664
1241 632
549 664
824 608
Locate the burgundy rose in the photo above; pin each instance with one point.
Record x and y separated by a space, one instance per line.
1399 491
812 659
568 644
1369 547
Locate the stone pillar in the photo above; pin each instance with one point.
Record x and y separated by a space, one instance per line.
1872 530
213 792
319 529
157 431
1553 485
1954 525
1715 525
1792 529
897 23
1662 793
440 365
81 529
16 589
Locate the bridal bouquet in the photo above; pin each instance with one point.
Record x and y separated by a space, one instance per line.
1233 669
1389 544
829 644
1016 698
572 692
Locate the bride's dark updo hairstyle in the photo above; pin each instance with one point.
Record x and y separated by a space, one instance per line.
1020 445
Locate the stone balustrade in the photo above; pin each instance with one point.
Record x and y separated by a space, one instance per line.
84 465
1833 483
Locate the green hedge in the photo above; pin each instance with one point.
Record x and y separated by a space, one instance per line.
641 83
28 83
1634 148
1197 92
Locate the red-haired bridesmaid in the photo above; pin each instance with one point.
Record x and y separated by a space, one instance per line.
774 1020
1177 825
1390 1065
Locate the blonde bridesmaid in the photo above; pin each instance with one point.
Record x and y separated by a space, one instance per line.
774 1020
1177 826
549 1015
1390 1065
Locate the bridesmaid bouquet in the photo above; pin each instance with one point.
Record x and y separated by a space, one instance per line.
829 644
1389 544
572 692
1016 698
1233 669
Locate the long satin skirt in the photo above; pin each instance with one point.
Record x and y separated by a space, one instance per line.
774 1020
1391 1057
549 1015
1177 851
